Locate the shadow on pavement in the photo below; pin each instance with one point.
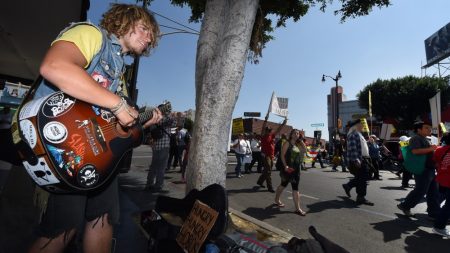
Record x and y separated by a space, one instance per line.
264 213
422 241
254 189
419 239
320 206
399 188
393 229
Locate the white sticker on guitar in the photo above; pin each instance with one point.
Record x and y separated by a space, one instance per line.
55 132
31 108
29 132
41 173
58 104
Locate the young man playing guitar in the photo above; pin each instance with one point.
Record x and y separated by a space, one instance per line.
82 57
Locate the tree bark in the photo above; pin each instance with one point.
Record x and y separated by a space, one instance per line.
221 56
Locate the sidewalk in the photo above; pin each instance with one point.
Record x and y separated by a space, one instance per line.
18 215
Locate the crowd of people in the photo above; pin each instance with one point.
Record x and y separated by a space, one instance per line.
362 155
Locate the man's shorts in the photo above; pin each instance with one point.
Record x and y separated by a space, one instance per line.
70 211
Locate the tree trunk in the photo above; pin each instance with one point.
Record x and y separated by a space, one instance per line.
221 56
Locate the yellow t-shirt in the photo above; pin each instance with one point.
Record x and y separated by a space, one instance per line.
87 38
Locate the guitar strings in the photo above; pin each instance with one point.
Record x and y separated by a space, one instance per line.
110 126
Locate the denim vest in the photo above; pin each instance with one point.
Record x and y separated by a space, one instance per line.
106 67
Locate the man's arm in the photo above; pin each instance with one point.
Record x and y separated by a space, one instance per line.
264 124
424 151
63 67
417 147
281 126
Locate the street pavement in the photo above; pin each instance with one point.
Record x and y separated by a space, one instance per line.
379 228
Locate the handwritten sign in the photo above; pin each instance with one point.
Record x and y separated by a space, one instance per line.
196 227
238 126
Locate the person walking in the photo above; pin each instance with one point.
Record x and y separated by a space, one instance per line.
180 145
403 173
241 148
172 161
160 155
339 157
318 157
292 155
87 63
375 157
358 157
268 153
425 182
187 141
255 144
442 159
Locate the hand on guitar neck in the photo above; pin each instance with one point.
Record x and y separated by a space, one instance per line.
128 116
156 118
151 116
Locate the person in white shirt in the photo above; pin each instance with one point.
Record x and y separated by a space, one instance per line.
241 148
255 144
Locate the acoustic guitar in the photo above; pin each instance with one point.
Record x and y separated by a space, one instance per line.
77 145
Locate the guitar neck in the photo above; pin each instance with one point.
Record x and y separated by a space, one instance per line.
146 115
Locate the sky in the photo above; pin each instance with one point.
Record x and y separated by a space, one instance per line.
388 43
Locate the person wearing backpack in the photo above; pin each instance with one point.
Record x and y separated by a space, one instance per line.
425 183
442 159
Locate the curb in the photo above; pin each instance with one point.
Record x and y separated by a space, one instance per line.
262 224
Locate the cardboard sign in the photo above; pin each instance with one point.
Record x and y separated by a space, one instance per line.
386 131
196 227
365 125
238 126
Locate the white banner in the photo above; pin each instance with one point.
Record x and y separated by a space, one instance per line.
435 105
386 131
279 106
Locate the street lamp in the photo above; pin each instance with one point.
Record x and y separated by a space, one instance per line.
336 79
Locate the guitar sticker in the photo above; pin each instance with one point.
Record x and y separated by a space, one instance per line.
40 172
29 132
55 132
88 176
31 108
85 124
58 104
78 145
105 114
72 161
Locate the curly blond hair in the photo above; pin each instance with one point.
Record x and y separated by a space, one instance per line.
120 18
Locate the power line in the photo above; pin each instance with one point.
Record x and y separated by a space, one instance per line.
177 29
171 20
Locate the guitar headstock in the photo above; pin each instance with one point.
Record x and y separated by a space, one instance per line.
165 108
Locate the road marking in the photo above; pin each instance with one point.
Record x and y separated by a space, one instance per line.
306 196
359 209
377 213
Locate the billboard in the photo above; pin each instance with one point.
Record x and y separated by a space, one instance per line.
437 46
